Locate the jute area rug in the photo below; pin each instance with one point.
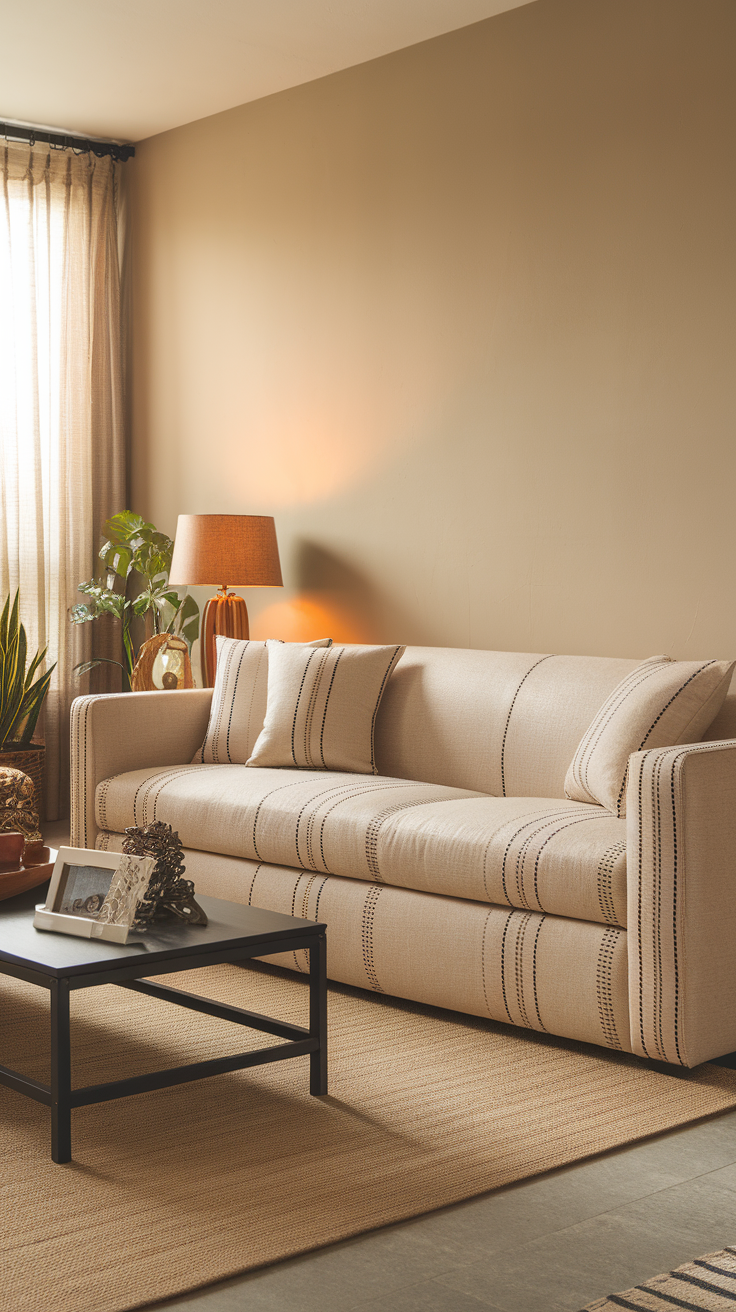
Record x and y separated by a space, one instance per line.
175 1189
708 1283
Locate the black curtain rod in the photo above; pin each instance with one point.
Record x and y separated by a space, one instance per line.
63 142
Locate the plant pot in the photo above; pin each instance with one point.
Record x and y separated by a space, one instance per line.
31 760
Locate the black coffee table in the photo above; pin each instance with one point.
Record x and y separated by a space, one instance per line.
234 934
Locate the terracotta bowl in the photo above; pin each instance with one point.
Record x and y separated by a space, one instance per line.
35 854
11 851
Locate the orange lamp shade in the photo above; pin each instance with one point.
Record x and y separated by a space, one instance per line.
230 550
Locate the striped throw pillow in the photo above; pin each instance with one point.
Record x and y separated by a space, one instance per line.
662 703
238 700
322 706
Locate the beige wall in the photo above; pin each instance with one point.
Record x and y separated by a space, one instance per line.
462 319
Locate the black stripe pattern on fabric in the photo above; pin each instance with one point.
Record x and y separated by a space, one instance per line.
557 822
542 1026
326 705
148 793
652 726
310 829
508 719
602 720
296 708
519 968
223 695
483 961
309 714
368 918
658 782
233 695
303 883
369 785
378 821
606 867
81 804
516 976
509 918
102 792
253 883
604 988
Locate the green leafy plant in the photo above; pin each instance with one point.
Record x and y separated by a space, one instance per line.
20 698
134 546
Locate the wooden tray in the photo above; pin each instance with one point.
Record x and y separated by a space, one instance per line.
17 881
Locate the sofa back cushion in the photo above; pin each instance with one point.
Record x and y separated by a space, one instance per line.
496 722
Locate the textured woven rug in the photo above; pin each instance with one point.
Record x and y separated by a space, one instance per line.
175 1189
708 1283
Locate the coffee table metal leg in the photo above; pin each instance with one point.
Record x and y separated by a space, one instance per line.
318 1013
61 1073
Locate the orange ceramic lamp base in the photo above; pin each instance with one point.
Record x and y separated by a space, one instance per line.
226 614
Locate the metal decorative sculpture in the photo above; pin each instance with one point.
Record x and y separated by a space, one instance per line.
168 893
18 804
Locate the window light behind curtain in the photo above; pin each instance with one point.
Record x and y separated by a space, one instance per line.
62 462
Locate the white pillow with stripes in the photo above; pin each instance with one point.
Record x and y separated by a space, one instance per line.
238 700
322 706
662 703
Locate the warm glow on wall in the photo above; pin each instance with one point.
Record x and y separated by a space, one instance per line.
301 458
307 616
300 447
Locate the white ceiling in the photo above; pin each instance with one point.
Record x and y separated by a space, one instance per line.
129 71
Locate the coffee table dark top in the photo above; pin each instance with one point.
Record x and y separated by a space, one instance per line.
61 956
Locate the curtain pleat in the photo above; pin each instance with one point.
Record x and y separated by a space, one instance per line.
62 464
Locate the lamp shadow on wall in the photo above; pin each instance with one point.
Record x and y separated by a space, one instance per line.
331 599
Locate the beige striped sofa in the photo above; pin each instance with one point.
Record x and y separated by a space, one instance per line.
461 875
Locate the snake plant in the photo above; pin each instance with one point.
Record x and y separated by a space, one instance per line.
20 698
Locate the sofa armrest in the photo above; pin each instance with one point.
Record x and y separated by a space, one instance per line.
117 732
681 856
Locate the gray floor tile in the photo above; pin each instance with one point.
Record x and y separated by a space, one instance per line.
568 1268
514 1216
725 1177
694 1217
428 1296
692 1149
531 1209
342 1277
220 1298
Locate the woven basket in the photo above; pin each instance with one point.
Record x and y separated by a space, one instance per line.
31 760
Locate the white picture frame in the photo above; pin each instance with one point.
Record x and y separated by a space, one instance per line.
94 894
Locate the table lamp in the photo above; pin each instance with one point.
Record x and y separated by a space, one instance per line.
208 549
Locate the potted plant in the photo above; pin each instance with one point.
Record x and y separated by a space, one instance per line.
135 547
21 698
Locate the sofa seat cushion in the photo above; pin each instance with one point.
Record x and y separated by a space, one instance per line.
546 973
565 858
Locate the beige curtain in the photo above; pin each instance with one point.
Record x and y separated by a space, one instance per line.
62 463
